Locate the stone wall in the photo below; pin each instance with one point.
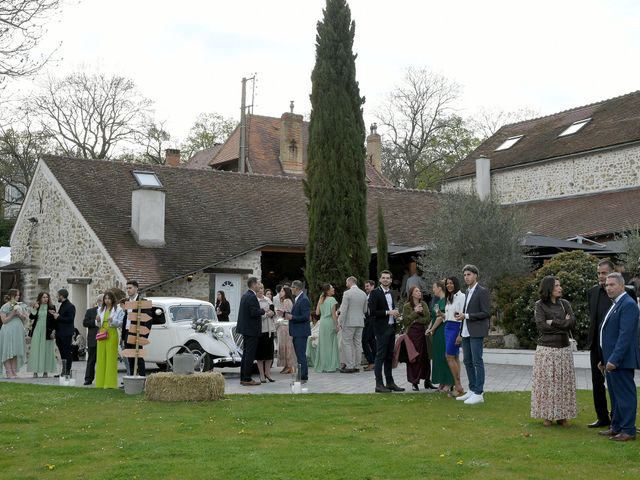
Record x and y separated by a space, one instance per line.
606 170
60 245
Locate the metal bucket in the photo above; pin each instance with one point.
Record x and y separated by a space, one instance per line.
181 363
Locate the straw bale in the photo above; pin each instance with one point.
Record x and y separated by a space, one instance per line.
197 387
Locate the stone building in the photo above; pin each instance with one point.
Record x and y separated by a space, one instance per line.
586 150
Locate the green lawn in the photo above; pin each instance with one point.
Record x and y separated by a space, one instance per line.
73 433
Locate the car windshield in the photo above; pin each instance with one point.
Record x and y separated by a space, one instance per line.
187 313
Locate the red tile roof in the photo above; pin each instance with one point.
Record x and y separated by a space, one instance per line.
613 122
202 158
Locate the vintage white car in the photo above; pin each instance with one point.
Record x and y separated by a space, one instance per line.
215 344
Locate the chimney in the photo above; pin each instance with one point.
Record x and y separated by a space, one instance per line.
291 148
147 210
483 178
374 148
172 157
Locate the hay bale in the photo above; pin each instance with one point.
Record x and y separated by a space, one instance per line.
198 387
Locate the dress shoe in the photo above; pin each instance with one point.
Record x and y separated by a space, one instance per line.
608 433
598 424
464 397
394 388
415 387
382 389
250 383
623 437
474 399
344 370
430 386
87 382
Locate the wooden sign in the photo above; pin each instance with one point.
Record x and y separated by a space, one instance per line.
131 353
142 330
143 317
137 304
131 340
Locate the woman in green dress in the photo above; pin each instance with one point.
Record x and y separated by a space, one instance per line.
109 319
13 315
42 357
440 372
327 357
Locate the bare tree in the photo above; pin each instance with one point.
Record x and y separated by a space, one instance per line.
90 116
21 29
489 120
416 118
155 140
208 130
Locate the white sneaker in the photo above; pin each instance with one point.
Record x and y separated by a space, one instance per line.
464 397
474 399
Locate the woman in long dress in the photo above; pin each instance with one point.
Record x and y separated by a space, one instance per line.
440 372
286 353
12 348
327 357
415 315
42 356
553 386
109 319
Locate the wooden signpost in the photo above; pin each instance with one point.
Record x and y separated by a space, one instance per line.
135 330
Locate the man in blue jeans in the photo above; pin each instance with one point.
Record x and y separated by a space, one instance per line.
474 327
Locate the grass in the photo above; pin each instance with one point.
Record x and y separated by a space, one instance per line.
74 433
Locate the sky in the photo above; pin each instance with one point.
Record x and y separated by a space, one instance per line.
189 57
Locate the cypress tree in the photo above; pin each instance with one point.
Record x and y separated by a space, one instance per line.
335 186
383 248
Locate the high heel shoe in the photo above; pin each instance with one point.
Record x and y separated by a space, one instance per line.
456 393
270 379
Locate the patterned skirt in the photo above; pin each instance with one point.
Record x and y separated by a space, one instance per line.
553 386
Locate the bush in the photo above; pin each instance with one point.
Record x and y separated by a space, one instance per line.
516 298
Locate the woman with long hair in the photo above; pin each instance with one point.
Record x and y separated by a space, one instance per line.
286 353
327 357
42 356
12 349
264 352
553 385
109 319
454 303
440 372
415 315
223 308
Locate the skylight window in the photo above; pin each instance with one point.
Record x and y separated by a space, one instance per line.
509 142
574 127
147 179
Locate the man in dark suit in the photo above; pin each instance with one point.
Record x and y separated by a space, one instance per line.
382 307
618 340
599 305
299 326
65 317
368 336
92 345
134 296
474 327
250 327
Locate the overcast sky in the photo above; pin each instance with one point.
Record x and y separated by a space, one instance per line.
189 56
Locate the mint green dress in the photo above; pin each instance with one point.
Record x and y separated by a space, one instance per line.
327 358
12 338
42 357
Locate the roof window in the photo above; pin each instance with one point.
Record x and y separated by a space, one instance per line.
509 142
147 179
574 127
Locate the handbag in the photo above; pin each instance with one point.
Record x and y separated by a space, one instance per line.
102 335
573 343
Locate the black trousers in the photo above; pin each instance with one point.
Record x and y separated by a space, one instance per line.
369 341
248 356
90 371
142 369
599 389
64 345
385 343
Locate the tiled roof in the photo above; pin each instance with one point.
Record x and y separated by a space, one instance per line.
213 216
613 122
202 158
263 139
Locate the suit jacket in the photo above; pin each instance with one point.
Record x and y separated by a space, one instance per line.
89 321
249 315
620 335
377 308
67 315
299 325
599 305
353 308
479 310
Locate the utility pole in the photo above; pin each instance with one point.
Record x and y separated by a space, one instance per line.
242 157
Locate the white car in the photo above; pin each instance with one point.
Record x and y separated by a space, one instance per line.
215 345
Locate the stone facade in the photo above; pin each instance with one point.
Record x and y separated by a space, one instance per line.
611 169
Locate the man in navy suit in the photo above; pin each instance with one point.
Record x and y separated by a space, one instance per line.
618 338
250 327
299 326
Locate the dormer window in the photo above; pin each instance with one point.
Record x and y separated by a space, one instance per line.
509 142
147 179
574 127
